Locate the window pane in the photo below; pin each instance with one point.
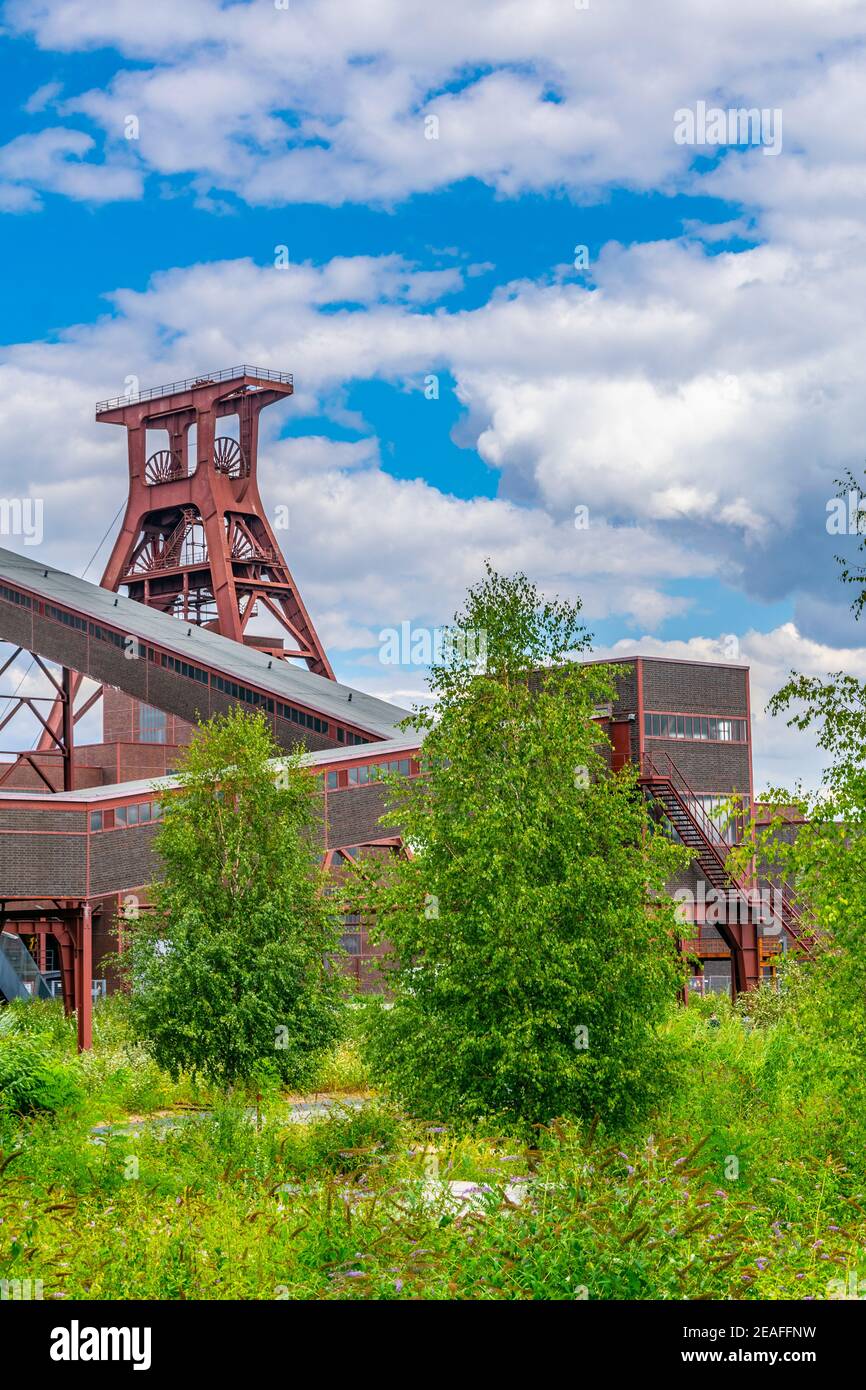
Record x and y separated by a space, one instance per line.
332 781
151 724
95 820
132 815
120 815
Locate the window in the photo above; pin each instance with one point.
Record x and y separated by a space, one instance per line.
120 815
333 781
104 634
68 619
725 824
350 942
183 668
151 724
95 820
132 815
12 596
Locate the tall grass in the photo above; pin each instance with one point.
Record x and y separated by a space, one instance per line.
749 1185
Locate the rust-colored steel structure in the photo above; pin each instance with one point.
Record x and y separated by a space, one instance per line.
196 541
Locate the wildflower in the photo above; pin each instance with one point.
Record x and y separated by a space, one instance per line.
398 1285
761 1263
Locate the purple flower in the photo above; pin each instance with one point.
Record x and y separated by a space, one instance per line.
398 1285
762 1263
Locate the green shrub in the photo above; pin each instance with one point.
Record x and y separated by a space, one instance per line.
31 1078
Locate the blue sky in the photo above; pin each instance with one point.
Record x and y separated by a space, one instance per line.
697 387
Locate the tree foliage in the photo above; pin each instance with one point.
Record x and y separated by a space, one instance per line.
815 842
229 974
532 941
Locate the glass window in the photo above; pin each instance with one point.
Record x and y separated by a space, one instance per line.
151 724
120 815
156 810
350 942
95 820
332 781
405 767
132 815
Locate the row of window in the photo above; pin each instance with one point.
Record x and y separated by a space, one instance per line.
182 668
12 596
299 716
360 776
60 615
121 817
710 730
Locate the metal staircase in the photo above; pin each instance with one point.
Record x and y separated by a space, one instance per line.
661 777
19 973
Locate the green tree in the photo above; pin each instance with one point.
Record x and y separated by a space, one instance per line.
532 940
229 972
815 843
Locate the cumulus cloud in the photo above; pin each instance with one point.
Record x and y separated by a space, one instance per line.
53 160
334 102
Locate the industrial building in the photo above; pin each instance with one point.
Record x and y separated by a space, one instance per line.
198 561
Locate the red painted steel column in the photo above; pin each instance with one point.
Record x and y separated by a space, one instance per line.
84 978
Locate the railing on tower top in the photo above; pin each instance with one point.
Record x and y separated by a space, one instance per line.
172 388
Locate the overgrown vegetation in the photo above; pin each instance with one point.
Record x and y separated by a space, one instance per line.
467 1148
203 1201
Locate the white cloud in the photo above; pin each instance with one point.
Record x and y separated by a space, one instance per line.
53 160
327 101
